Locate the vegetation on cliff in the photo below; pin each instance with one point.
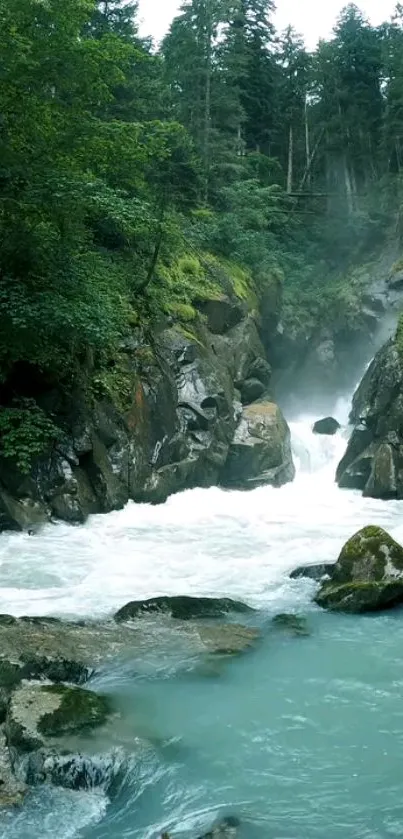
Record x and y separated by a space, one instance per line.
137 182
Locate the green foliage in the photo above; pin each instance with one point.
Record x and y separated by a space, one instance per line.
399 337
25 432
135 184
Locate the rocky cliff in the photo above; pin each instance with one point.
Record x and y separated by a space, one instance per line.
181 406
373 461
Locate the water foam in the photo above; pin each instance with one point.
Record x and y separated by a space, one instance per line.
204 541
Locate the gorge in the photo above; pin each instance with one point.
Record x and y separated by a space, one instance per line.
201 436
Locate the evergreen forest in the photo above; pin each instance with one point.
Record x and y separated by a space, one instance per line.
137 179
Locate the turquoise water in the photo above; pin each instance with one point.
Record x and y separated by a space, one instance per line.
301 738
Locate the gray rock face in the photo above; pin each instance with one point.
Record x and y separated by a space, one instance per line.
261 449
373 461
166 419
368 575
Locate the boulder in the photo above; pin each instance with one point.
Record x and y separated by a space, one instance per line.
368 575
260 452
328 426
183 607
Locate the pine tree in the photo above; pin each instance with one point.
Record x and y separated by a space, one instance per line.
292 94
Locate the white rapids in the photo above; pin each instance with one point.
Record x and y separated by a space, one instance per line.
206 542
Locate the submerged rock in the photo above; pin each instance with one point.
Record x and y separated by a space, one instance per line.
368 575
293 624
229 638
312 572
225 828
183 607
327 426
261 449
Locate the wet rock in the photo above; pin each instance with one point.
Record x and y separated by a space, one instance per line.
183 607
226 828
373 461
327 426
251 390
76 771
12 791
312 572
361 597
368 575
261 449
20 514
295 625
38 713
4 703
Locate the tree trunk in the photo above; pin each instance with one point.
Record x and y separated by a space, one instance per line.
290 160
349 187
307 145
207 100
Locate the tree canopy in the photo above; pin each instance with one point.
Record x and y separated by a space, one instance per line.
118 162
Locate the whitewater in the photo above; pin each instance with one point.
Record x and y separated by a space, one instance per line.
302 738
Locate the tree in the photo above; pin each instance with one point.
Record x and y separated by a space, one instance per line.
292 95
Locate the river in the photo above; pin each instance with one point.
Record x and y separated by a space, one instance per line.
301 738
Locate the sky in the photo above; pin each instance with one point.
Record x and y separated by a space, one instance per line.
312 18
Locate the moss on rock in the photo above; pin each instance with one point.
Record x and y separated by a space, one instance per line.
361 597
79 709
370 555
38 712
368 575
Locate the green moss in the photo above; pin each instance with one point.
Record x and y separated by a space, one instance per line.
10 674
116 382
397 267
182 311
360 597
79 709
399 337
364 557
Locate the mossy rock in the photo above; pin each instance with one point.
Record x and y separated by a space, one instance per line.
359 598
79 709
295 625
368 575
38 712
370 555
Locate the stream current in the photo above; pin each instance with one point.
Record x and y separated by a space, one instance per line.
301 738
